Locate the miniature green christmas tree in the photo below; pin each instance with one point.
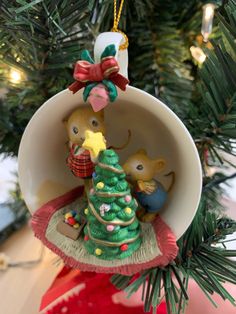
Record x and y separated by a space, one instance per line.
112 231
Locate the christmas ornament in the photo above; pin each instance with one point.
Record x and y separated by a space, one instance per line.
154 126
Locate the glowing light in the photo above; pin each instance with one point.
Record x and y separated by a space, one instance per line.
198 54
207 20
15 76
209 11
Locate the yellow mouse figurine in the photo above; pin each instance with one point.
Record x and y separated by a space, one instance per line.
81 120
150 193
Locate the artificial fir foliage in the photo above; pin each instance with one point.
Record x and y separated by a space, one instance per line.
112 231
43 39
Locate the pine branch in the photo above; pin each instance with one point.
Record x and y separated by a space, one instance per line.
218 181
217 106
214 118
198 258
42 40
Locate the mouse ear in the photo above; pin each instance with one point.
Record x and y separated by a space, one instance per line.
65 122
160 164
141 151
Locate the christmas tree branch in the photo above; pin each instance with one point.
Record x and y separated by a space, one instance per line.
198 256
201 260
218 181
41 40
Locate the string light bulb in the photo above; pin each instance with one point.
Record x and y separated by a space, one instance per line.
207 20
198 54
15 76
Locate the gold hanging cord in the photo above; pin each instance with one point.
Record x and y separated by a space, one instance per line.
116 23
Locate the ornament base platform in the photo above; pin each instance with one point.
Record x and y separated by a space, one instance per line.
158 246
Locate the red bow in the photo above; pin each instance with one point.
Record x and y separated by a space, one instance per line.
85 72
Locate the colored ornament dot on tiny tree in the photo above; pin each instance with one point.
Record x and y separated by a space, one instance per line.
128 198
92 191
86 237
86 211
104 208
110 228
100 185
128 210
98 252
124 247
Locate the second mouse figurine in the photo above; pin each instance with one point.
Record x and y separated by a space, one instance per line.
149 192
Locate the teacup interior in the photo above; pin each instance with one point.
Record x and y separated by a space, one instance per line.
44 174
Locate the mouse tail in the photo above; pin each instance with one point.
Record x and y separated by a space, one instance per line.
124 145
172 174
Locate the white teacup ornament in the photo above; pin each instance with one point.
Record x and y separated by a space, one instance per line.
50 189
